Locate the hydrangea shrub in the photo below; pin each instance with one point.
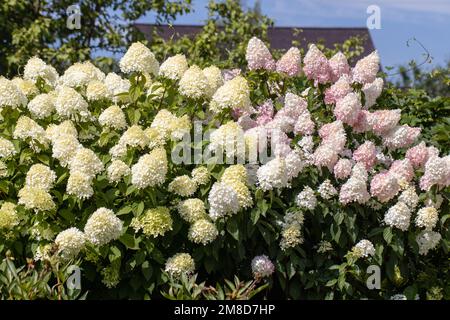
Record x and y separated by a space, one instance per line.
89 176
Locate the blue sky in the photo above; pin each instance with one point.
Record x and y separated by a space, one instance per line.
426 20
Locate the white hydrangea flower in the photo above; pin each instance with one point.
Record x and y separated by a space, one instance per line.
273 174
35 198
427 240
398 216
97 90
294 164
64 148
427 218
27 128
65 128
215 79
70 242
3 170
201 175
10 95
364 248
179 264
134 137
174 67
234 94
291 236
223 200
306 199
8 216
192 210
113 117
202 231
118 151
7 148
36 68
182 186
116 170
102 227
26 87
42 106
409 197
150 170
327 190
79 185
69 103
229 140
116 85
40 176
194 83
80 74
139 58
85 160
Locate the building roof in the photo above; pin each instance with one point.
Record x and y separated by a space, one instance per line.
279 37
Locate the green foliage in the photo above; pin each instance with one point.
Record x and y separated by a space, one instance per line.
31 28
435 82
223 39
186 288
28 283
419 109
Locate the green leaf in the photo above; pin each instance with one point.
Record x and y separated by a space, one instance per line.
124 210
254 215
233 228
129 241
331 283
387 235
147 270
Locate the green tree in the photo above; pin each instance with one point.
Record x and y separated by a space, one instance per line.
435 82
223 39
38 27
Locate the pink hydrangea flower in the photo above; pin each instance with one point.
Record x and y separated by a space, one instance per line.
280 143
402 170
383 121
347 109
258 55
384 186
265 113
331 128
366 154
230 74
325 156
339 66
362 122
355 188
290 62
262 267
419 154
366 69
246 122
343 168
316 66
372 91
401 137
294 105
437 172
338 90
304 124
286 118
